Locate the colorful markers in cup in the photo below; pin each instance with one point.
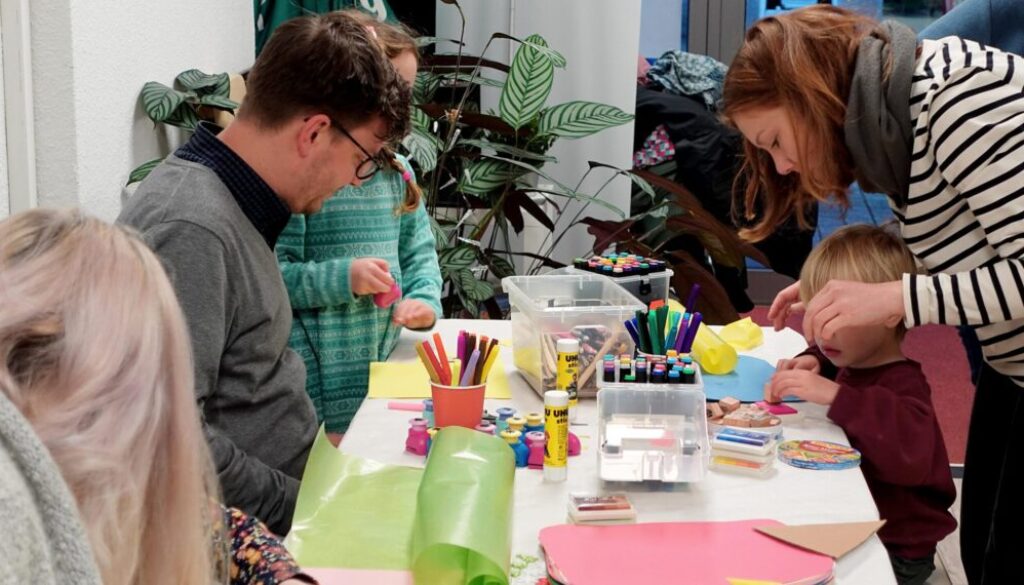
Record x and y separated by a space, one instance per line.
477 353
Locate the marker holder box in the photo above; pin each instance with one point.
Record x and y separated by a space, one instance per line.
653 431
646 287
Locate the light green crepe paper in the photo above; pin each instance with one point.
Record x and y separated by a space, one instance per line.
450 523
352 512
463 529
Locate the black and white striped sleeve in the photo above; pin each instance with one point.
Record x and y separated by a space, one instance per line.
976 129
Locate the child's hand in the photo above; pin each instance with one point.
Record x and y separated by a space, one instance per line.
802 384
413 314
370 276
800 362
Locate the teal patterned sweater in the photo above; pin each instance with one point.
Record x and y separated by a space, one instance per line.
338 334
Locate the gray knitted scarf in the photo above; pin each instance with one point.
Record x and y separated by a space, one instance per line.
877 127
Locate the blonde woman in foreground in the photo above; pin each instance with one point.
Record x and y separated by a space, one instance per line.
94 354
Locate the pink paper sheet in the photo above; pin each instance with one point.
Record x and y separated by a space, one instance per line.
677 552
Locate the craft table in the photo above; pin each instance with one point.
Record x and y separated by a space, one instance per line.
789 495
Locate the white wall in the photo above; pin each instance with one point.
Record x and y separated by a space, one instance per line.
90 60
599 39
661 25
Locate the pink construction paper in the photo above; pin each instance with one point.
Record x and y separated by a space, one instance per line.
360 577
777 408
677 552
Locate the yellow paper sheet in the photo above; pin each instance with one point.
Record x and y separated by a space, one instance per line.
410 380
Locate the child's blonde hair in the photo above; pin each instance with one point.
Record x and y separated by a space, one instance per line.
95 353
862 253
394 40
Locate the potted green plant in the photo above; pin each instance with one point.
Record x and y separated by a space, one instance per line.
481 172
195 96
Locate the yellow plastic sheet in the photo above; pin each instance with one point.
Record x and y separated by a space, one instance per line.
450 523
410 380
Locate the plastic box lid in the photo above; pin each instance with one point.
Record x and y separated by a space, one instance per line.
569 293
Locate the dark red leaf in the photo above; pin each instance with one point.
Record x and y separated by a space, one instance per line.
513 212
607 232
531 207
713 302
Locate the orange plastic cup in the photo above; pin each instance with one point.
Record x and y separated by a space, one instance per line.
458 406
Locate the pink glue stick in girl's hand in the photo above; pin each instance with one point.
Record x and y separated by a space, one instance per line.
386 299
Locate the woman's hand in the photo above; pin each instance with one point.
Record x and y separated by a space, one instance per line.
785 304
840 304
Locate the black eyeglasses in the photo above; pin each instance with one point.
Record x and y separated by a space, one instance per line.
371 164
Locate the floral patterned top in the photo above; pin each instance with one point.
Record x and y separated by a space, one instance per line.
258 557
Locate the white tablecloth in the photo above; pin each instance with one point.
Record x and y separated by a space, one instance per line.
790 495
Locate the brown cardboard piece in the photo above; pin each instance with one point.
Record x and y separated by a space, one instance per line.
834 540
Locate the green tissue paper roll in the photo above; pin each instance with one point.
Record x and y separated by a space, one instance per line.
450 523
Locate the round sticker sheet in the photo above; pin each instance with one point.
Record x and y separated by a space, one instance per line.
818 455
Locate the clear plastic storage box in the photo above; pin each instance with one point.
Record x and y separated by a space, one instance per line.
652 432
589 307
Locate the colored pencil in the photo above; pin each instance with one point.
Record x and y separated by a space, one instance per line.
426 363
456 367
467 375
631 328
673 332
691 300
488 363
652 326
444 379
691 333
684 326
442 358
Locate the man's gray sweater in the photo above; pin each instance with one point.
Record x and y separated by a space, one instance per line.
250 386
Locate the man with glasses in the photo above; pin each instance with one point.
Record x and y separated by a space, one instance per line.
322 101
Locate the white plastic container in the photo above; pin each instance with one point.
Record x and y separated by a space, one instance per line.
652 432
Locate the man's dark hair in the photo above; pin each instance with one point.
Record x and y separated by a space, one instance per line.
326 64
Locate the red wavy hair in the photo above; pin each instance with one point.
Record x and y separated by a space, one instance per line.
802 61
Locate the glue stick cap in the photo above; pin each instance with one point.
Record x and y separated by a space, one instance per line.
568 345
556 398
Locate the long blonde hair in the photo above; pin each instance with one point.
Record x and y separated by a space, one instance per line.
94 352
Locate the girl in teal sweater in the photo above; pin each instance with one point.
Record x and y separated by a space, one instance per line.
365 238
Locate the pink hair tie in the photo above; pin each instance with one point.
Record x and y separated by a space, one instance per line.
407 176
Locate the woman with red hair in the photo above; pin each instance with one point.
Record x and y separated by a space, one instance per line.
824 97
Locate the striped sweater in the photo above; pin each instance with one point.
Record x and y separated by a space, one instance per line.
964 216
336 333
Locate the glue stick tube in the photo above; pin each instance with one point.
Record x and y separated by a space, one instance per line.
568 350
556 427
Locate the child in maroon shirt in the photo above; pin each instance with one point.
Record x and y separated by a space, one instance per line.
880 399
